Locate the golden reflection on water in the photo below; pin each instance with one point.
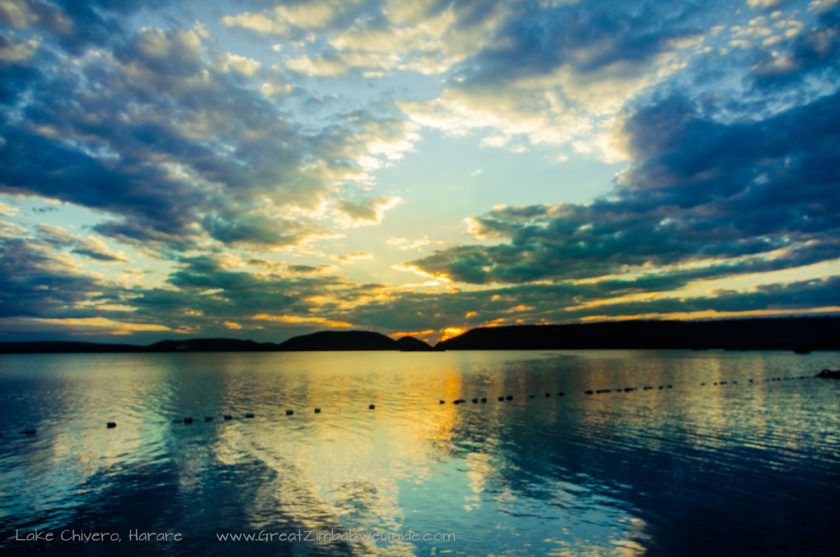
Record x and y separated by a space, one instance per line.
511 467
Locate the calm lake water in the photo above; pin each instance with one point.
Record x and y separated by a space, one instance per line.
737 469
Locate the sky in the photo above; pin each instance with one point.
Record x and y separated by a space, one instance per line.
258 169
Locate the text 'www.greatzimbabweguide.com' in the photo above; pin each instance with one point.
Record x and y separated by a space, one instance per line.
330 536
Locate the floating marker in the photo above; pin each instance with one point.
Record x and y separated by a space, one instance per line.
669 386
588 392
530 396
111 425
484 399
208 418
475 401
647 387
177 421
441 402
629 389
723 382
560 393
249 415
371 407
227 417
187 420
509 397
29 432
702 384
290 412
317 410
501 399
547 395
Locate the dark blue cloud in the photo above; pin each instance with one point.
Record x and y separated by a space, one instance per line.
697 189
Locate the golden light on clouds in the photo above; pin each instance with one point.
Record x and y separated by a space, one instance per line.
303 320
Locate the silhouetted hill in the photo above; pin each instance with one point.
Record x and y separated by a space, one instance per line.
210 345
411 344
783 333
801 334
340 340
65 347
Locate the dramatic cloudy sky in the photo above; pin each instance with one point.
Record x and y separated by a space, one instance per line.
260 169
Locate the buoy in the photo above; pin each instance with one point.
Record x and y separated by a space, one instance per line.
751 380
29 432
661 387
669 386
723 382
530 396
629 389
317 410
441 402
290 412
509 397
547 395
734 382
647 387
371 407
501 399
208 418
560 393
475 401
177 421
111 425
588 392
187 420
227 417
249 415
702 384
484 399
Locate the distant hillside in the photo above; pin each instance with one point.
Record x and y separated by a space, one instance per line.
411 344
801 334
340 340
210 345
784 333
65 347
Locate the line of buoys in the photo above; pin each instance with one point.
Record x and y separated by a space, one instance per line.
475 400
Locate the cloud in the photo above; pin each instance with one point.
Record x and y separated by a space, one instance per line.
368 211
559 75
176 143
88 246
697 190
282 20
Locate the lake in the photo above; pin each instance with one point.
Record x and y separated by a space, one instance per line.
749 467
